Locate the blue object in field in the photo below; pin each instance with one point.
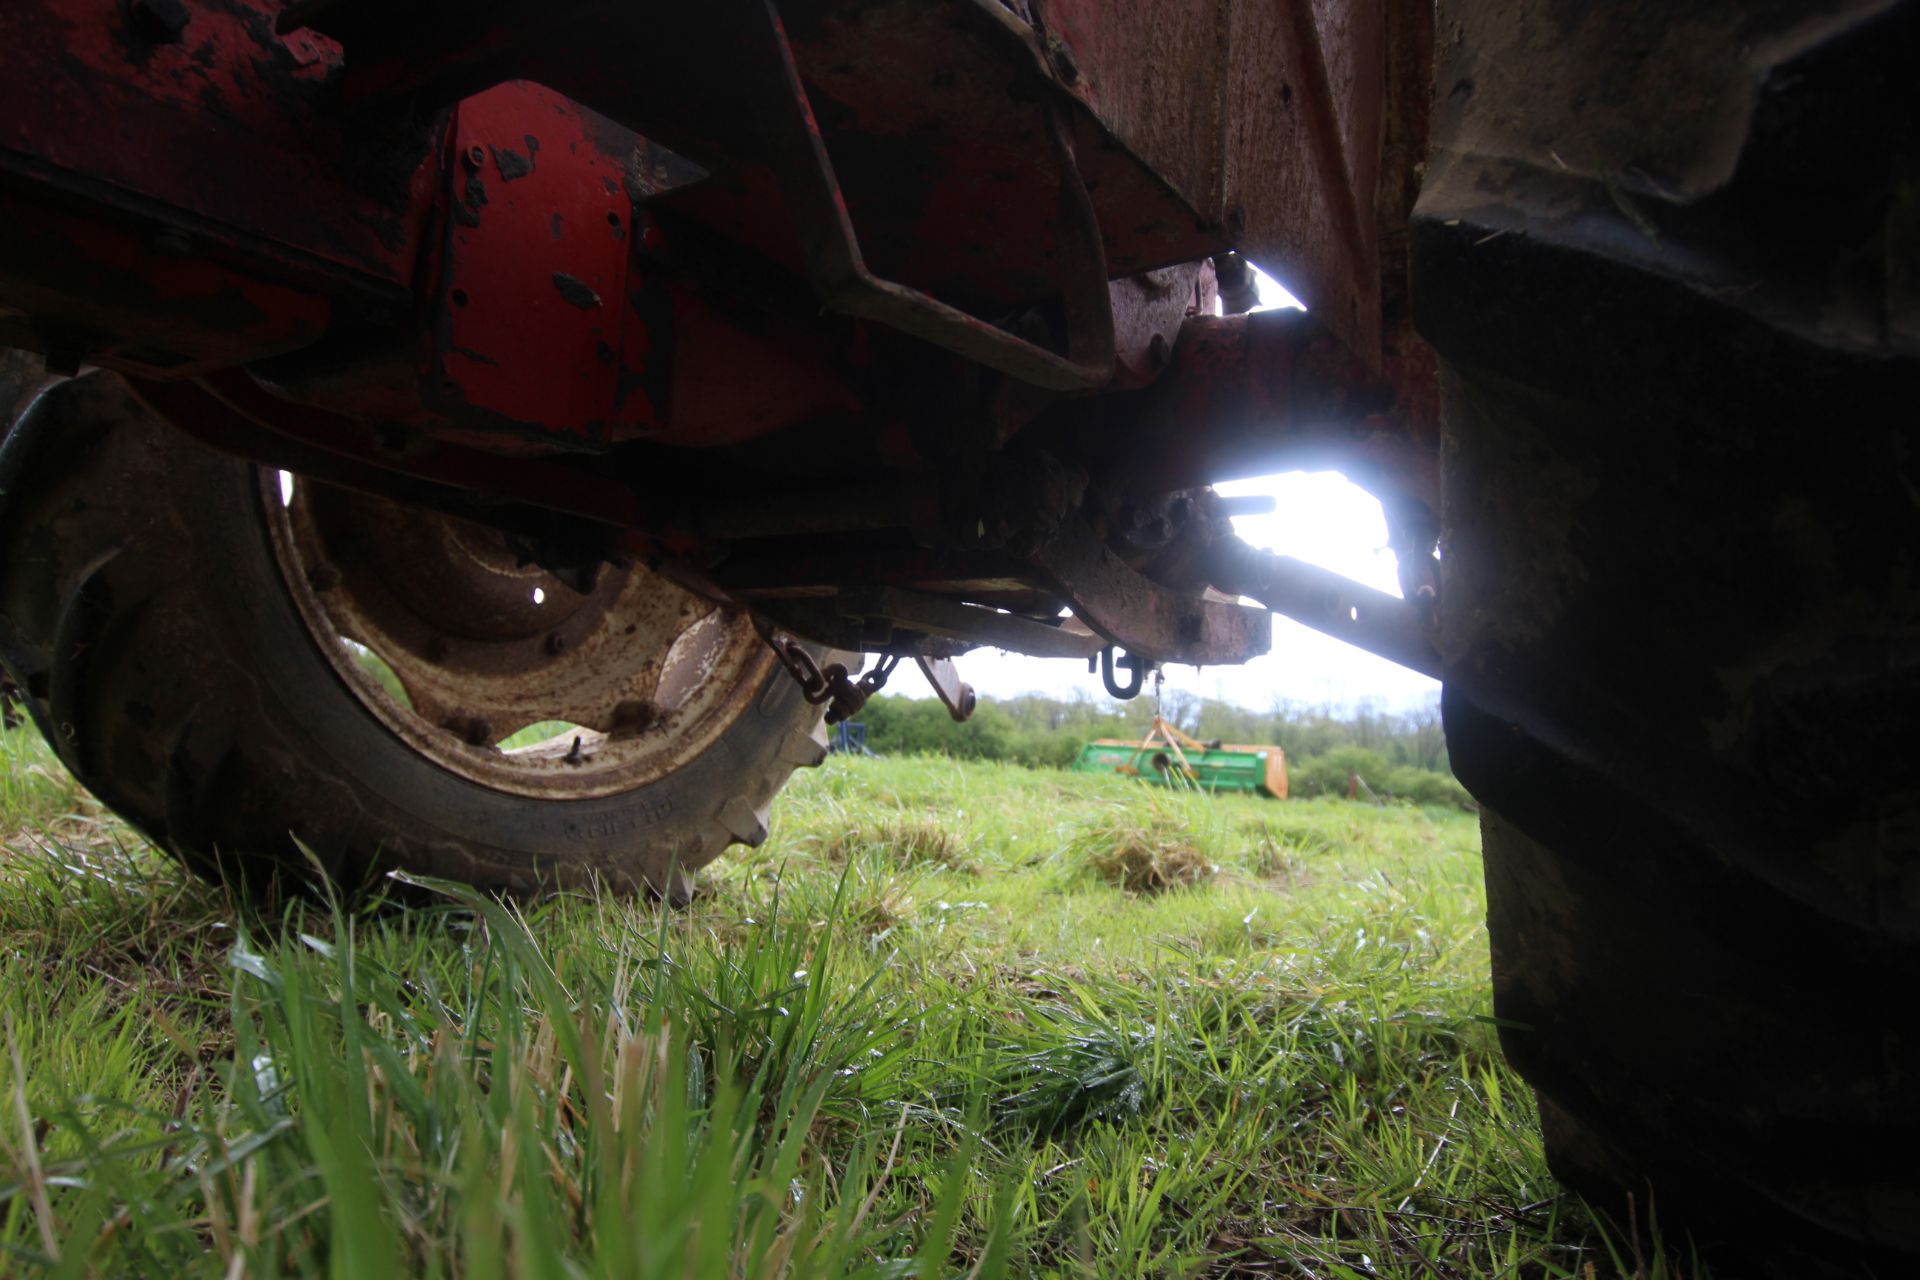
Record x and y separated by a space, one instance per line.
849 737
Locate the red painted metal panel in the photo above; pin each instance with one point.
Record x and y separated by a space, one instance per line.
532 297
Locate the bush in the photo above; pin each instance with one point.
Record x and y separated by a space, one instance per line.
1326 775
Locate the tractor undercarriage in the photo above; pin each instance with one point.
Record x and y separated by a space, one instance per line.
908 345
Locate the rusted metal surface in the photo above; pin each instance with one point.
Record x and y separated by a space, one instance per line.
917 625
764 575
815 509
1406 360
1254 394
643 674
702 329
558 316
1266 118
1142 616
954 693
559 312
1148 310
819 621
957 620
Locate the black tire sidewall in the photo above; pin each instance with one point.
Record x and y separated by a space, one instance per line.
215 722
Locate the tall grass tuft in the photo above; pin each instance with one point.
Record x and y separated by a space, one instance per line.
1145 857
483 1109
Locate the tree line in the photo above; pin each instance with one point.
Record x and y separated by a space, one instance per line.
1330 750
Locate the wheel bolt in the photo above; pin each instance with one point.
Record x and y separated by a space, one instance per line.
556 643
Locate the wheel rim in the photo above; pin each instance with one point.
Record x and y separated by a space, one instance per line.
636 675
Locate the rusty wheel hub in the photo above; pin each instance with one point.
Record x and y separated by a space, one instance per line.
634 676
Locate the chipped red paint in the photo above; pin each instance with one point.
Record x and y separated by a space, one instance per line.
529 308
224 131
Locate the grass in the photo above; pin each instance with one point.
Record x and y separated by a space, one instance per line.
941 1023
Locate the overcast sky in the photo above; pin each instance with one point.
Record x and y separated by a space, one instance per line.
1320 517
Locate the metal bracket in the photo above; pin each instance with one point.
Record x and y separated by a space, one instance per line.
1398 630
798 155
956 693
973 624
1141 616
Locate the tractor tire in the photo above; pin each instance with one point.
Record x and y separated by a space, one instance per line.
1668 254
150 622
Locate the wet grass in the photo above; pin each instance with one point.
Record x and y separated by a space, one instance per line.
939 1024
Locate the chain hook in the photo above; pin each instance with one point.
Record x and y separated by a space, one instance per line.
1135 665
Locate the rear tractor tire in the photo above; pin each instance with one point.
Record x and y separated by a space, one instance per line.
1666 255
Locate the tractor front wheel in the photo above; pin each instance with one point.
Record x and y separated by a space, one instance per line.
268 676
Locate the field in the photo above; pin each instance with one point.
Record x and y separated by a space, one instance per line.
949 1020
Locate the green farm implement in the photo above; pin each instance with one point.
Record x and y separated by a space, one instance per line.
1166 755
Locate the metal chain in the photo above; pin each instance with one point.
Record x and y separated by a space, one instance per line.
832 684
799 664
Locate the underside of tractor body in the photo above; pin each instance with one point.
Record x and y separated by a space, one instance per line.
476 438
893 323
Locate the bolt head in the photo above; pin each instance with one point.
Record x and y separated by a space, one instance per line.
1064 62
